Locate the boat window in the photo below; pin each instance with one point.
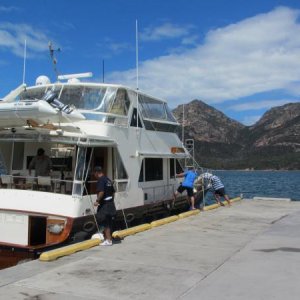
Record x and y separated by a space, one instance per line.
18 156
178 166
79 172
33 94
3 168
121 103
99 98
142 174
172 168
175 167
155 109
153 169
133 119
120 175
159 126
120 172
83 97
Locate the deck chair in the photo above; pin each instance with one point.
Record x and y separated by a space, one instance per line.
30 183
7 180
44 183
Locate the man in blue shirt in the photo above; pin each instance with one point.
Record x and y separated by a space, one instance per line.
187 185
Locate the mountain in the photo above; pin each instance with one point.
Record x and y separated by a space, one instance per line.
222 143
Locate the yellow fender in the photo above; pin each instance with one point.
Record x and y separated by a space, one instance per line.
67 250
130 231
235 199
164 221
210 207
188 213
216 205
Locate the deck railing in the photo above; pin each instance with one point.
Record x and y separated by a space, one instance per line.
39 183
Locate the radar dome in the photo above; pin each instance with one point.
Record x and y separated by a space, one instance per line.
73 80
42 80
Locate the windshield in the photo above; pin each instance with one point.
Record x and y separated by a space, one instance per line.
155 109
106 99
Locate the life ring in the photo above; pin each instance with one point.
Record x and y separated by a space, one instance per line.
89 226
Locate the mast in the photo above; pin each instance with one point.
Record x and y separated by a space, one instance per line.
137 72
54 60
24 63
103 70
182 137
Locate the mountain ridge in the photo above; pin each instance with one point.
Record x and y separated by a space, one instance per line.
273 142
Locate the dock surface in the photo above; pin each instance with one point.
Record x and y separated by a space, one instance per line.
250 250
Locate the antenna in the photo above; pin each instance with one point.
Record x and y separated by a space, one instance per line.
137 53
103 70
24 63
137 72
54 60
182 124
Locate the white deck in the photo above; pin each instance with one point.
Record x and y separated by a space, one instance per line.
248 251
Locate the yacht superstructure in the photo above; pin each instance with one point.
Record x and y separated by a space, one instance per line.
80 125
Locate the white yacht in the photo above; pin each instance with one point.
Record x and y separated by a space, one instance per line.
81 125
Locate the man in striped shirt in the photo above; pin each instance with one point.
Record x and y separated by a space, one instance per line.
217 186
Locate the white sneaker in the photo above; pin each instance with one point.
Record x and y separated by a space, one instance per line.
106 243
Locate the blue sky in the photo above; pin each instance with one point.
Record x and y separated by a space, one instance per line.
242 57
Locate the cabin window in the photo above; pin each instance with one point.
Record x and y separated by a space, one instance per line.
175 167
120 174
121 103
83 97
3 168
155 109
151 170
172 168
98 98
80 172
33 94
133 119
18 156
157 126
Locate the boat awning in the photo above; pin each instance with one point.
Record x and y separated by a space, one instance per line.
161 154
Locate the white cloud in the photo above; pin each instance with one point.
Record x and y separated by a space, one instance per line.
255 55
110 47
13 36
7 9
165 31
266 104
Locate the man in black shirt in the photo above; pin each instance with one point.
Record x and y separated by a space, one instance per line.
106 210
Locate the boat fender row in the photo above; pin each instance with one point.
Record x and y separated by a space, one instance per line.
95 241
136 229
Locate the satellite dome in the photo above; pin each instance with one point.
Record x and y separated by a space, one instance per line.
42 80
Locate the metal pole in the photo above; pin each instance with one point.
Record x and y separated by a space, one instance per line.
24 63
137 72
103 70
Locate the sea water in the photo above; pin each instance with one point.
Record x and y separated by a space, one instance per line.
277 184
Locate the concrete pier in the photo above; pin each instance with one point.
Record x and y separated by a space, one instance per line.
250 250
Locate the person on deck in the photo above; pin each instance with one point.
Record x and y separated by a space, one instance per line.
217 187
106 210
188 184
41 163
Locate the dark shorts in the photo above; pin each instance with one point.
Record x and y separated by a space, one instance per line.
189 190
220 192
106 214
